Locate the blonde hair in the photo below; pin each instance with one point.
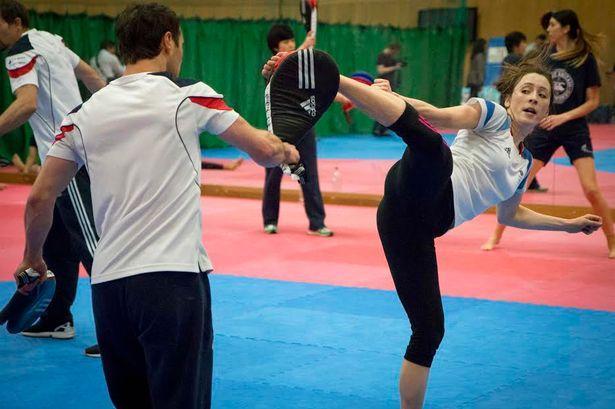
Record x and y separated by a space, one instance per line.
585 43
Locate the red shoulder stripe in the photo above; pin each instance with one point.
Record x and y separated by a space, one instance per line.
67 128
63 130
18 72
212 103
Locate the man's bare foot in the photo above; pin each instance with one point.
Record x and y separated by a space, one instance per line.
490 244
2 186
233 165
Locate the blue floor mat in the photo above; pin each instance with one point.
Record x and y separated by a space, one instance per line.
390 147
605 160
341 147
296 345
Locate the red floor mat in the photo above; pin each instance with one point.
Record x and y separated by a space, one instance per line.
534 267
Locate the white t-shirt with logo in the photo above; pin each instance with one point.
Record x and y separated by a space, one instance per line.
40 58
487 166
139 140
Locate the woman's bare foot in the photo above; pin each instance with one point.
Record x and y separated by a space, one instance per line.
491 243
610 241
233 165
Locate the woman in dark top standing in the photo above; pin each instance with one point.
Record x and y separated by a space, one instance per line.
576 89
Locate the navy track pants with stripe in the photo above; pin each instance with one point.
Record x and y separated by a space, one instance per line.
71 240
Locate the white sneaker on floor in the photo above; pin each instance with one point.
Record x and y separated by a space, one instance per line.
271 229
40 330
322 232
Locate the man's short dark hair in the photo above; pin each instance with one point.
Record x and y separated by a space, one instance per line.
513 40
394 47
277 33
140 28
11 10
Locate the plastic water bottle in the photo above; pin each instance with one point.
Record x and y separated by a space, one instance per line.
336 180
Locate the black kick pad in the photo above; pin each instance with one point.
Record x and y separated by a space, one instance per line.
301 90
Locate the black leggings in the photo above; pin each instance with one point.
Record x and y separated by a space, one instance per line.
417 207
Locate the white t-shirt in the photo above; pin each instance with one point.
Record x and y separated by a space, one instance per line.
487 166
139 140
40 58
107 65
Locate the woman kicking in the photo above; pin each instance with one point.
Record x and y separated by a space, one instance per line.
434 188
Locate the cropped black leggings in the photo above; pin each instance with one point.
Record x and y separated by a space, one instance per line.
417 207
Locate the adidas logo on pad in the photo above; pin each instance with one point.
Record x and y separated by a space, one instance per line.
310 105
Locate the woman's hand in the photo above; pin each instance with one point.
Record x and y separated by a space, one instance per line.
553 121
587 224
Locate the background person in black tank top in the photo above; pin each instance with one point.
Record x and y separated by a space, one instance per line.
576 90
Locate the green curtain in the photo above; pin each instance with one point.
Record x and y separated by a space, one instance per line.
229 54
